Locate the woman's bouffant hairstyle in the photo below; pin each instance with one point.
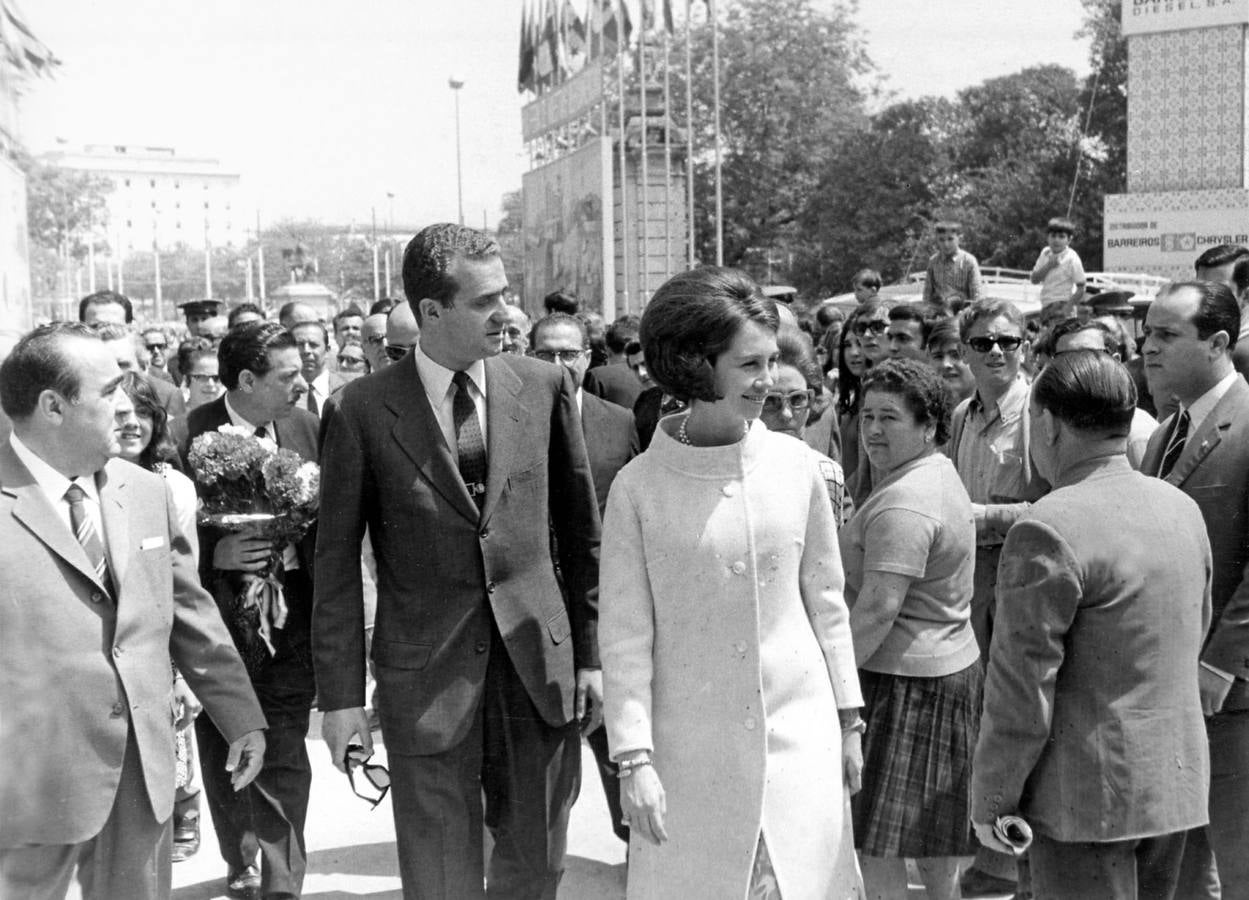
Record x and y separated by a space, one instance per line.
691 320
920 388
160 449
796 350
1088 390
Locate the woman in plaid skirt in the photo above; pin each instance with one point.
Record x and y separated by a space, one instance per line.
908 554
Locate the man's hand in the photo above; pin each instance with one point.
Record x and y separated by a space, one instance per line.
589 706
246 756
241 552
1214 689
338 728
984 832
188 703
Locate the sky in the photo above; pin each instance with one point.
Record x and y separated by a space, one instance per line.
325 113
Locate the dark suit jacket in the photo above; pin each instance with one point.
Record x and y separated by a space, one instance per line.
170 397
1214 471
447 574
1092 726
611 440
298 432
615 382
78 671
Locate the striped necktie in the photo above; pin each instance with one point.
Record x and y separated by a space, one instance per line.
88 535
470 447
1175 446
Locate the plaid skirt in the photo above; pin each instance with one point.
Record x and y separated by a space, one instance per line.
917 752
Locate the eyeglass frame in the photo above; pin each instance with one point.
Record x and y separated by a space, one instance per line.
202 377
396 352
562 357
367 768
1001 340
787 399
876 326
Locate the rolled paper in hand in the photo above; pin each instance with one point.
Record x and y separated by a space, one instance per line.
1014 832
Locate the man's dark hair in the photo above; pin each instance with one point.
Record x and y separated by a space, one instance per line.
1075 326
561 302
1217 309
430 253
943 331
921 389
915 312
103 298
622 331
1240 275
243 309
559 318
190 350
1090 391
111 331
247 348
691 320
1220 255
39 363
1061 225
351 312
382 307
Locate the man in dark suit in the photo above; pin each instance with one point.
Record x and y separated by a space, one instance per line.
611 440
1092 727
99 593
312 339
458 461
618 381
1203 449
260 369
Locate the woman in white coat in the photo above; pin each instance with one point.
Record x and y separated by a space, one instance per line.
732 700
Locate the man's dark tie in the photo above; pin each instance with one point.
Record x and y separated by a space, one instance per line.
1175 446
312 402
469 445
87 534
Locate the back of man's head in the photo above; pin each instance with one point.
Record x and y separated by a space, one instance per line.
296 311
561 302
621 332
94 308
429 256
1089 391
42 360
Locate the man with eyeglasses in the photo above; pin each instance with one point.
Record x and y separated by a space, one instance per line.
373 341
156 346
403 332
989 446
611 440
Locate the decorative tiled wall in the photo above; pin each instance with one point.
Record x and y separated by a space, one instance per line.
1186 109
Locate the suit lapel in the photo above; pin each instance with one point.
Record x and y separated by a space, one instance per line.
503 427
417 433
32 509
1202 442
112 487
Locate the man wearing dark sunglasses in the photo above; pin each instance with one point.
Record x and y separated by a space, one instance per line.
402 331
989 445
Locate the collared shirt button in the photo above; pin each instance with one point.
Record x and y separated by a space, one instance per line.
489 587
750 723
739 568
485 533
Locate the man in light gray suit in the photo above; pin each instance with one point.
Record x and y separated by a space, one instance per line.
1092 727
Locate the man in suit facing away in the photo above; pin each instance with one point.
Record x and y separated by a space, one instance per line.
1092 727
611 440
460 461
261 830
1203 449
99 593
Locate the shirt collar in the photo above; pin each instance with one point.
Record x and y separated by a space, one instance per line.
437 378
50 481
321 384
1205 404
236 419
1010 405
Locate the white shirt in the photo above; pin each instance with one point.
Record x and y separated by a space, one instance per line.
436 379
290 559
54 485
319 387
1205 404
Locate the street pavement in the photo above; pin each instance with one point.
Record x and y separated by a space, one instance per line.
351 848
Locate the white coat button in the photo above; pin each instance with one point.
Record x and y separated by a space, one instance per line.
740 646
749 723
729 490
739 568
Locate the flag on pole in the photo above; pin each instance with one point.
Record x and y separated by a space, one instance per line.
648 15
524 75
617 26
574 30
545 58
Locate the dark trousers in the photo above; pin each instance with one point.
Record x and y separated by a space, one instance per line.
1144 869
130 857
609 774
1218 855
529 773
267 816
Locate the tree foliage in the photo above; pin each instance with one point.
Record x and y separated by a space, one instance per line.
66 210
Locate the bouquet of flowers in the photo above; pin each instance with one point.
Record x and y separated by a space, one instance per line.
248 484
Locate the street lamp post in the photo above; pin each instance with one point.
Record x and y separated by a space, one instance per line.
455 85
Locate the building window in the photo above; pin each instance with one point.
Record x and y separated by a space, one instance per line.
129 223
127 182
177 184
153 182
205 204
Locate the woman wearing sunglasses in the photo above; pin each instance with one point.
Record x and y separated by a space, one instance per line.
788 405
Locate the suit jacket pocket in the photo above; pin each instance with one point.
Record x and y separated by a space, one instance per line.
559 627
401 654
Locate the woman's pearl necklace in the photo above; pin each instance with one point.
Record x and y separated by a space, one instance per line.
684 437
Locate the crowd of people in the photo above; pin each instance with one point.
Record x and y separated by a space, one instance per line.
825 590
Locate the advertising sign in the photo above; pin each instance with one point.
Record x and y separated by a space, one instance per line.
1160 239
567 215
1149 16
570 101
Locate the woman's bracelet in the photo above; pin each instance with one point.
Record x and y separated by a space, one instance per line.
626 766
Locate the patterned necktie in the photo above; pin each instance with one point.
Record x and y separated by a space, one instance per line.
1175 446
469 445
312 402
87 534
